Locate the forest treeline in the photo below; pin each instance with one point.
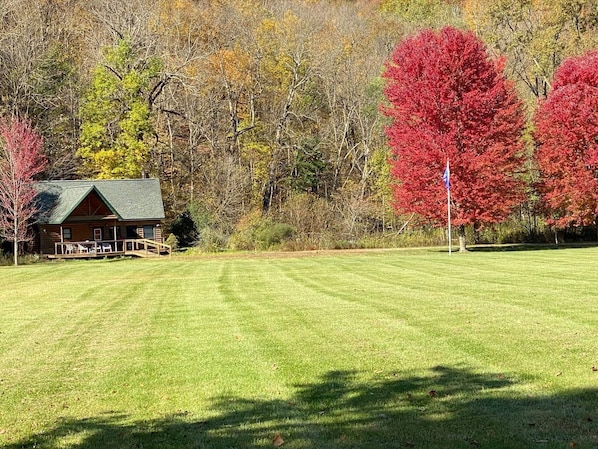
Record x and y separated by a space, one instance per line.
261 118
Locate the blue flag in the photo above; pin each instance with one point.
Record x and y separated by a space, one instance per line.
446 177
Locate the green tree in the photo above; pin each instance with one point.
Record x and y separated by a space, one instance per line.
309 167
116 113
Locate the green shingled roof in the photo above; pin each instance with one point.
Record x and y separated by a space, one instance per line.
128 199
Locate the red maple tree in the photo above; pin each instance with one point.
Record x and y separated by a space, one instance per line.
448 100
20 160
566 134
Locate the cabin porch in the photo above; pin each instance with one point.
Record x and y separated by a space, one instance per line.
109 248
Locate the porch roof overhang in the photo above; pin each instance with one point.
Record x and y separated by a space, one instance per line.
90 218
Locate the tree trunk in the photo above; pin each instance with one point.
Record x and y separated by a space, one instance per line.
16 251
16 239
462 246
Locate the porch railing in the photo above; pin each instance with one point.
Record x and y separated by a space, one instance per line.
110 247
147 246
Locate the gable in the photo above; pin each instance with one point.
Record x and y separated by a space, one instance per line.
124 199
92 206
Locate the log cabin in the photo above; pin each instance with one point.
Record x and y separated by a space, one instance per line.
99 218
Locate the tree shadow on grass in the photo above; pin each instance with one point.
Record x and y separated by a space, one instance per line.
529 246
448 408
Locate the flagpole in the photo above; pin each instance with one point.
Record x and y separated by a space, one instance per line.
448 203
450 241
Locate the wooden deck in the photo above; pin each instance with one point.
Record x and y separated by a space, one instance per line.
109 248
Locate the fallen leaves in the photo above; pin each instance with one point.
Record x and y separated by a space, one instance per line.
277 441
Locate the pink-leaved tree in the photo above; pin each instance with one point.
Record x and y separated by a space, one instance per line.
21 160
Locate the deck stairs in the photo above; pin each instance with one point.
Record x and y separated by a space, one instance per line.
146 248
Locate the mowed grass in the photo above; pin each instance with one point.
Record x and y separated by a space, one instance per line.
389 349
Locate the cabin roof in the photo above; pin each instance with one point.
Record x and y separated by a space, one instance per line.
128 199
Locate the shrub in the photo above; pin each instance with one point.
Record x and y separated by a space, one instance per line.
270 234
212 240
308 214
27 259
183 228
173 241
195 226
256 232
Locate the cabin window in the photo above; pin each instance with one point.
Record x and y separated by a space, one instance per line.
148 232
111 233
97 233
67 233
132 232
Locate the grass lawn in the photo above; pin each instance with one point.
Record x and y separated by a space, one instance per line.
388 349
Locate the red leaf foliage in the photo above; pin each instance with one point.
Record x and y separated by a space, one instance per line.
566 133
449 100
20 161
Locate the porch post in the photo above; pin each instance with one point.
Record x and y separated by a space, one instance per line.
61 242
